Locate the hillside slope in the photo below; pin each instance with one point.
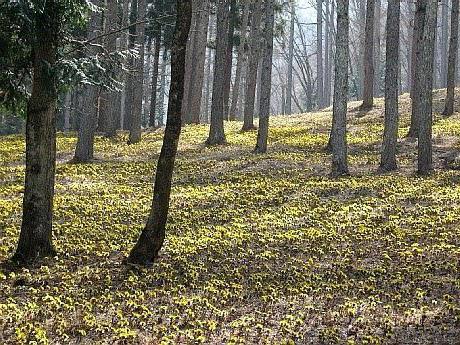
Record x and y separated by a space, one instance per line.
259 249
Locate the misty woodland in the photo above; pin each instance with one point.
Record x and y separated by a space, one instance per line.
229 172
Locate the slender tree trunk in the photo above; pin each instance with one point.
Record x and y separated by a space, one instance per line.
209 74
444 42
152 237
156 63
424 97
262 135
130 74
84 150
319 54
67 110
328 55
251 75
377 48
240 61
136 115
419 19
123 47
368 91
290 61
161 98
390 136
339 116
229 59
35 239
452 65
216 132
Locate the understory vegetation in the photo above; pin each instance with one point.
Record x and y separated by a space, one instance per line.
259 248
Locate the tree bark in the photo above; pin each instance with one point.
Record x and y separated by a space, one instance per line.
154 87
424 80
444 42
216 132
152 237
251 75
368 90
229 59
452 64
136 115
377 49
264 114
35 239
288 107
84 151
339 116
417 44
390 136
240 61
319 54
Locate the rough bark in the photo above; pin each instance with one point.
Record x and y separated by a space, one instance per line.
253 61
162 90
288 107
262 135
152 237
368 86
319 54
229 59
452 64
136 116
424 80
417 44
84 150
154 87
339 116
240 62
444 38
123 47
216 132
390 136
35 239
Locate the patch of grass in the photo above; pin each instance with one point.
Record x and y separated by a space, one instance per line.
259 248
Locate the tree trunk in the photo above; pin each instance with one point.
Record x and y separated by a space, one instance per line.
84 151
368 91
377 48
417 44
161 98
444 42
209 74
67 110
424 80
251 75
152 237
240 61
35 239
216 132
123 47
266 82
289 86
339 116
390 136
136 116
319 54
156 62
452 65
229 59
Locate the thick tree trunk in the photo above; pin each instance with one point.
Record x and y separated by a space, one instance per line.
84 150
251 75
368 90
123 47
319 54
288 107
154 87
136 116
240 61
216 132
35 239
390 136
339 116
417 44
424 80
452 65
262 135
152 237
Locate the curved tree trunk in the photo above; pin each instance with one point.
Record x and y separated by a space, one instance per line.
452 65
390 136
262 135
216 132
152 237
339 115
35 239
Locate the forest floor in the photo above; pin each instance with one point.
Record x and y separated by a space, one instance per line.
260 249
